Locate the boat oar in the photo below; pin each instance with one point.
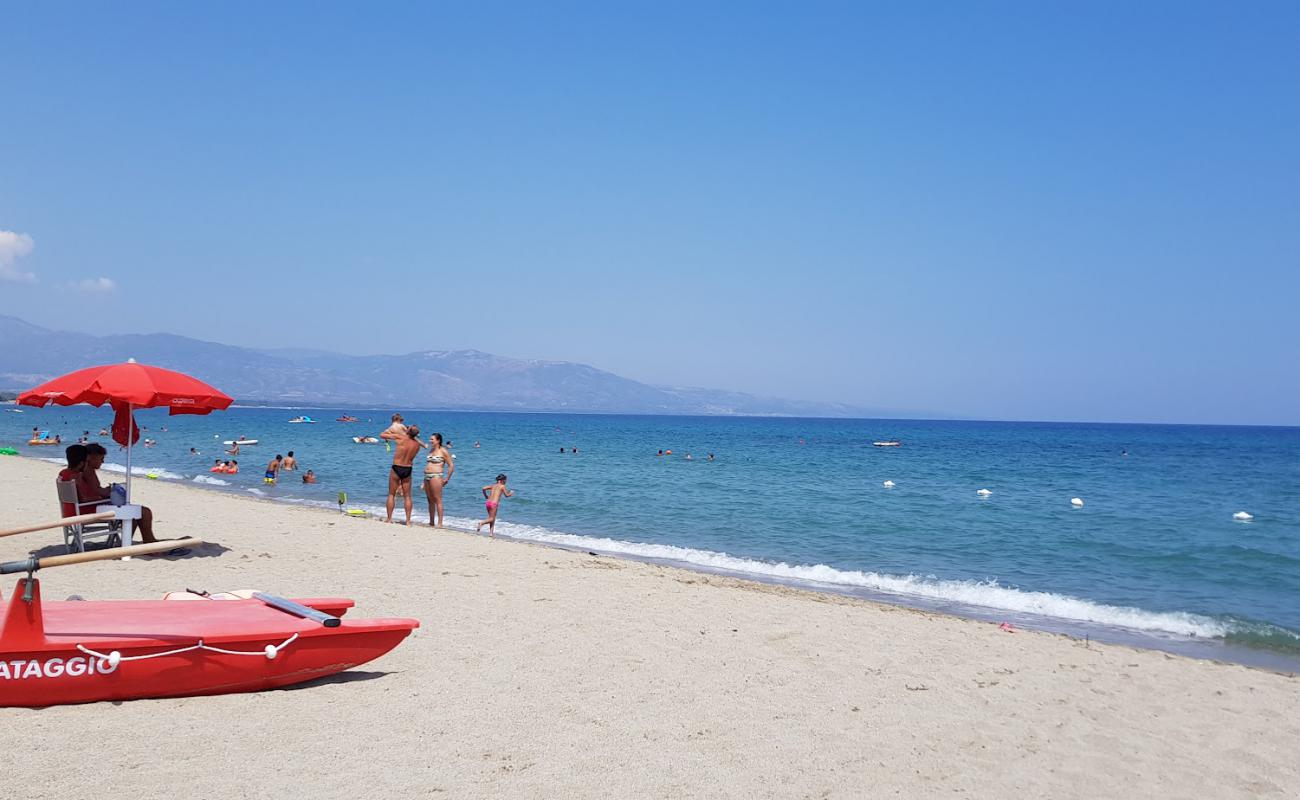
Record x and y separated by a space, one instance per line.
298 609
33 563
44 526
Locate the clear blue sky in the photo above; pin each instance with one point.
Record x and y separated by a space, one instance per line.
1081 211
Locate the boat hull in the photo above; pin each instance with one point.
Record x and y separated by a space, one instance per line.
174 649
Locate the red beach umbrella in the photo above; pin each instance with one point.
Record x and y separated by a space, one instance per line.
126 387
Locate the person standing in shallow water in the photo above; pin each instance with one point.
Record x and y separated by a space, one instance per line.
399 476
492 494
434 481
273 469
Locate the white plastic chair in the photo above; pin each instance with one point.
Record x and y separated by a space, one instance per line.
76 536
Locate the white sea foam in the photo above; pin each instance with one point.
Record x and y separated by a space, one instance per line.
211 481
985 594
256 491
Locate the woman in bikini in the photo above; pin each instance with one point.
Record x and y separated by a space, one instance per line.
399 477
438 458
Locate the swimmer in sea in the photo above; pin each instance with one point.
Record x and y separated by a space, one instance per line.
399 475
309 477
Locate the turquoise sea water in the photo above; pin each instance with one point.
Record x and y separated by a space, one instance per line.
1154 556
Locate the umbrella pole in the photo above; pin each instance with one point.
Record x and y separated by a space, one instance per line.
130 434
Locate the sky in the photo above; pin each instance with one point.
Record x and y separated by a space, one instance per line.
995 210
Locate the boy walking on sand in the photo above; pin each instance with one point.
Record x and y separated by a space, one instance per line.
492 493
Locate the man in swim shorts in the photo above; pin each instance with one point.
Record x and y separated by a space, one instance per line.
399 475
273 469
394 433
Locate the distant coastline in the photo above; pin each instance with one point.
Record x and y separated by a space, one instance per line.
446 379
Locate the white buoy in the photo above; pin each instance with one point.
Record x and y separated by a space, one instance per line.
888 484
1076 502
1242 516
984 492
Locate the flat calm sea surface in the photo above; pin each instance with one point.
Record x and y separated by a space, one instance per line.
1154 556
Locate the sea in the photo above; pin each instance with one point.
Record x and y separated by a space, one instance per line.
1155 556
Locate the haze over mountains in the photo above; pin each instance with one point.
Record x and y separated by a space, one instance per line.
460 379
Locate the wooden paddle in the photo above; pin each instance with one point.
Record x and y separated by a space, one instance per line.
32 564
44 526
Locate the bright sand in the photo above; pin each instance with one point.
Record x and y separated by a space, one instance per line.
545 673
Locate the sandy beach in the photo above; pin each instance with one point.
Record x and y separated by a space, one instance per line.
545 673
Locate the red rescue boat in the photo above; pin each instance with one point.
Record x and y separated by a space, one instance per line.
82 651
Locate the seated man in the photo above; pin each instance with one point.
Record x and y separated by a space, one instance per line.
76 455
88 488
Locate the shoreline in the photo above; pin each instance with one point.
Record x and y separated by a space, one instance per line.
545 672
1190 646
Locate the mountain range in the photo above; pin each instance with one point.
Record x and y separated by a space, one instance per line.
441 379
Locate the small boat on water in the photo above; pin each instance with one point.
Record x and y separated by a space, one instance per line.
302 419
346 418
887 443
365 440
240 442
83 651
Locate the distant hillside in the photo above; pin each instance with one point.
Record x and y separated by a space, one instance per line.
460 379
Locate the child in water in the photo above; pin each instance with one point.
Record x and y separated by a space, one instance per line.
492 493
